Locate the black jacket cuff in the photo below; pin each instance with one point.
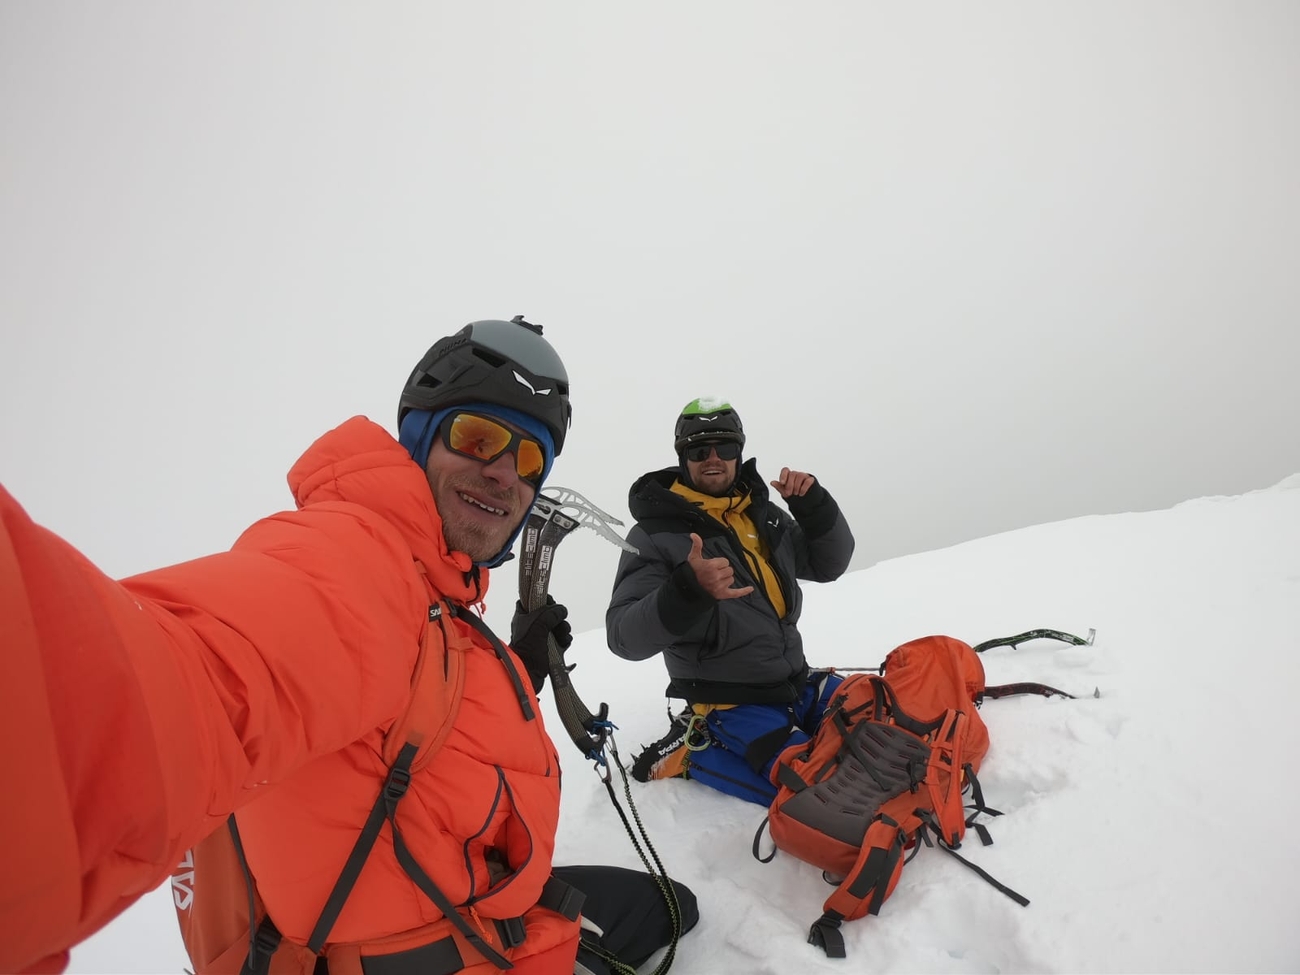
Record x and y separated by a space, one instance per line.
815 511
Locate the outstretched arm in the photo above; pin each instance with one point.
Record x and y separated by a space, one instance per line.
135 715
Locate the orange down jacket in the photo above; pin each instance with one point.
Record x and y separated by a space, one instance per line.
136 715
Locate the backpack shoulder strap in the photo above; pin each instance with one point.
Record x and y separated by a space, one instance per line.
399 777
864 889
437 688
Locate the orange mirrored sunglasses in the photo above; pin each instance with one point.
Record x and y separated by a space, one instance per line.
486 439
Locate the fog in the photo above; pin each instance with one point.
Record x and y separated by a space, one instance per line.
975 267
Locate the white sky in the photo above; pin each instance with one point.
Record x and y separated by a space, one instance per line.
974 266
1147 827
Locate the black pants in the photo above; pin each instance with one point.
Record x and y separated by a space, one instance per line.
627 906
629 909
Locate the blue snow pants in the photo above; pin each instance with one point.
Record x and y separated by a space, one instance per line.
745 740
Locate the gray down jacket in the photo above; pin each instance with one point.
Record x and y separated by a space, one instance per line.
731 651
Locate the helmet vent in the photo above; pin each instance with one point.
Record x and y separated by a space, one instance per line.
491 358
492 361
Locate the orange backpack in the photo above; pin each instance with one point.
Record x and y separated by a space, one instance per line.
223 921
886 771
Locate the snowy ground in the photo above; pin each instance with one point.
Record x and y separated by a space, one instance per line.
1149 827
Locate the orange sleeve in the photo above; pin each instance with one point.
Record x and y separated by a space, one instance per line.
136 715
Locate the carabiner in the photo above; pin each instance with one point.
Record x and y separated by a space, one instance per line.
697 726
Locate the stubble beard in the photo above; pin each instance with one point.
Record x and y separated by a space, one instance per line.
723 487
723 490
478 541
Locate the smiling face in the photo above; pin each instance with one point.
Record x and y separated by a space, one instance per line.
481 504
712 475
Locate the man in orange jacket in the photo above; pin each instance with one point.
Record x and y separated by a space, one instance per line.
137 715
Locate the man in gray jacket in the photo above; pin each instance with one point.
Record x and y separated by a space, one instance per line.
714 589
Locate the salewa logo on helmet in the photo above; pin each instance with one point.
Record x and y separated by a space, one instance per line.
706 419
531 388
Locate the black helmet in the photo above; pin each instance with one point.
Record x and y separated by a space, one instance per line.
708 419
506 363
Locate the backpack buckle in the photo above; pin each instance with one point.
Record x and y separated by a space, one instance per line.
266 939
395 786
511 930
562 898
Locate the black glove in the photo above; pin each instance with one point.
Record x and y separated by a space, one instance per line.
528 633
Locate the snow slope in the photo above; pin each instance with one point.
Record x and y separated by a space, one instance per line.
1149 827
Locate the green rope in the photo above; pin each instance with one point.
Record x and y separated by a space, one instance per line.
660 878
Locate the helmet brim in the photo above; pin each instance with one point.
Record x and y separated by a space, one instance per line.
708 436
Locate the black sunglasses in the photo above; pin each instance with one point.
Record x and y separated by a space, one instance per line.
726 450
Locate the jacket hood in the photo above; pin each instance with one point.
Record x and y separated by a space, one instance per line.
650 495
359 462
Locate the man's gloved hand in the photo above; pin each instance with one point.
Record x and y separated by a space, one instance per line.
528 633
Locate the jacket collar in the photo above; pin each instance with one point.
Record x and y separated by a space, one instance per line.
360 463
651 494
735 500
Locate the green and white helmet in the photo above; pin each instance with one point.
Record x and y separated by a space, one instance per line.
708 418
